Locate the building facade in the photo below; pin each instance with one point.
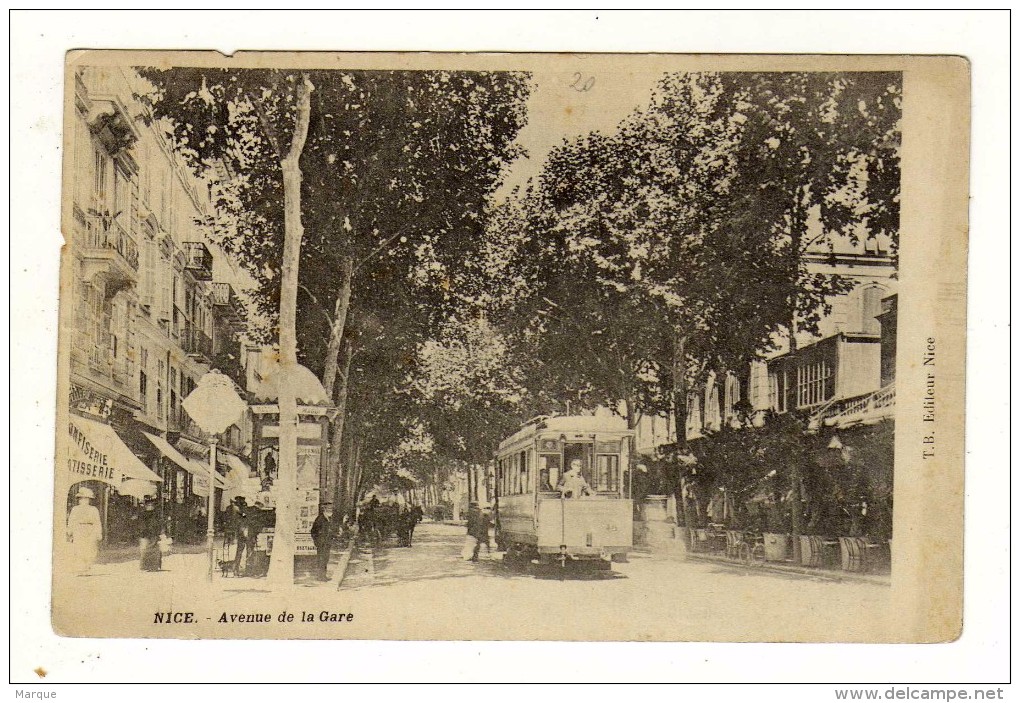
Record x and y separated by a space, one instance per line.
154 302
850 358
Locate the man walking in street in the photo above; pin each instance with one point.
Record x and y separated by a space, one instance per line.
321 538
478 530
416 517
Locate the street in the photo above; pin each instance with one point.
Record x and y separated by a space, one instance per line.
428 591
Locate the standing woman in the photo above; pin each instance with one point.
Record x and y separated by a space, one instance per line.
84 530
151 556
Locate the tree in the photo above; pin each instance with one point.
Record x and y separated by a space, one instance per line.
262 118
397 165
401 163
693 218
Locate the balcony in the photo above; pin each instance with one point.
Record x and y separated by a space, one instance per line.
198 260
226 303
196 343
108 250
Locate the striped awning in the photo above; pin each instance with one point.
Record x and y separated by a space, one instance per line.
97 453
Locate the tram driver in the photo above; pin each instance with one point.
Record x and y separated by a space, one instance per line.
572 484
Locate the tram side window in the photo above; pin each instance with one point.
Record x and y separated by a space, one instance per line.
607 473
548 472
523 473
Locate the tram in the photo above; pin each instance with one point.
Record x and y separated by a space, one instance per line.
538 519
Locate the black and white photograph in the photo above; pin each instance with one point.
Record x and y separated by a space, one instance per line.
548 347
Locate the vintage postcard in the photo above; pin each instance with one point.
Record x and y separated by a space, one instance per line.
600 347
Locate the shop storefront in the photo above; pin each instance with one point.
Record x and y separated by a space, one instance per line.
96 457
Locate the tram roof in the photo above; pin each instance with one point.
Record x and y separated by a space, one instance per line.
569 424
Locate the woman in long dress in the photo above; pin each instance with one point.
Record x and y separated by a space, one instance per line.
84 530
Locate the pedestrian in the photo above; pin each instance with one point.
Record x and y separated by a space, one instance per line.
322 538
573 485
258 561
151 555
416 516
84 530
237 529
477 529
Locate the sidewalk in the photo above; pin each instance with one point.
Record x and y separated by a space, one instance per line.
830 574
676 551
191 562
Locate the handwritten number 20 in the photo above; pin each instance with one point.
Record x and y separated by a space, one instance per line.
582 86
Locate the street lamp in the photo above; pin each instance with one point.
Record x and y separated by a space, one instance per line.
214 405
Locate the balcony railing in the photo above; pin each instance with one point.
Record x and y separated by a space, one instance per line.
866 408
196 342
226 302
198 260
103 236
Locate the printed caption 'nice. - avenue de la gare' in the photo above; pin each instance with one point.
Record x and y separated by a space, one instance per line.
184 618
928 400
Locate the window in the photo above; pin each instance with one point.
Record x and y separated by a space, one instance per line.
815 383
607 473
732 397
99 179
524 473
118 198
778 389
143 390
712 417
548 471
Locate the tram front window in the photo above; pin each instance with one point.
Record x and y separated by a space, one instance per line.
548 472
573 484
607 474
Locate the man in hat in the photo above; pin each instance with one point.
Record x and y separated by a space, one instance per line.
322 538
237 531
84 530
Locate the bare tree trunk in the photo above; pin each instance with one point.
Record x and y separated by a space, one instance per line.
281 566
355 470
632 420
348 498
680 425
336 332
798 229
333 462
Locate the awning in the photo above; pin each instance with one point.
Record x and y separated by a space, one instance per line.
136 488
167 450
199 471
240 483
96 453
